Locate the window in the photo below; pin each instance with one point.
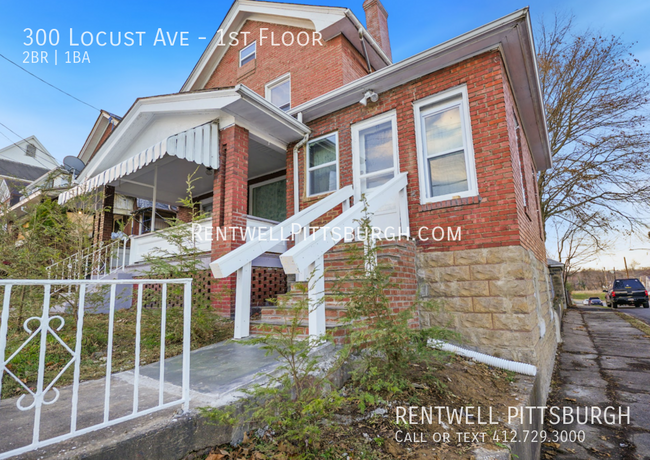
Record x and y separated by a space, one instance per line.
279 92
520 156
375 151
268 199
444 142
30 150
247 54
322 165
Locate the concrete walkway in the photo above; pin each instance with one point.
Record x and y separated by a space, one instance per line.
218 373
604 362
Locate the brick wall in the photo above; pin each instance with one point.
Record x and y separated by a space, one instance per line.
230 200
400 256
184 214
528 209
104 218
314 69
490 220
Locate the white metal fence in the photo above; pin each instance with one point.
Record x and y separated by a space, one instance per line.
47 331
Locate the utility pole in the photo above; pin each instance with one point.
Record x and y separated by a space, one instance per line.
627 273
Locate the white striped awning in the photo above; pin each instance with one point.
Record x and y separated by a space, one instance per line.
199 145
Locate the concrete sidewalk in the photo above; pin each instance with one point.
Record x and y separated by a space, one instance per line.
604 361
217 375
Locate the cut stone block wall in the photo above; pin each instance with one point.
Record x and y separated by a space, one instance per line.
498 299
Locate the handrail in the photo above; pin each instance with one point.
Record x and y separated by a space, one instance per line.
236 259
75 266
305 253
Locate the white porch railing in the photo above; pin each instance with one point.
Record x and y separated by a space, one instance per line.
240 260
150 243
49 325
307 256
96 261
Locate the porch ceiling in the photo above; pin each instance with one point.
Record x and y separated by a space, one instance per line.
171 181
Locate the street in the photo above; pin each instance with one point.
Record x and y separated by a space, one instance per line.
641 313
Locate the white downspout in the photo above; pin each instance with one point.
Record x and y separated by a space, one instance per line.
514 366
296 175
296 193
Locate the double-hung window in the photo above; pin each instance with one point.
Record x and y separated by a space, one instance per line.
247 54
322 165
278 92
444 141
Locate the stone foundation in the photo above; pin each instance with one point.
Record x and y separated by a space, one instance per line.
498 299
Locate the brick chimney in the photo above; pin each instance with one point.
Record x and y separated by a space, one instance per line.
377 24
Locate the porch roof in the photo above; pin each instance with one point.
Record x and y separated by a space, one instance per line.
185 126
199 145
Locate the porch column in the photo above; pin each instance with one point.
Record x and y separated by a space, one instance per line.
230 204
104 219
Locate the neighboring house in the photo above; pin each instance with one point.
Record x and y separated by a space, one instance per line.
21 164
11 190
30 152
451 137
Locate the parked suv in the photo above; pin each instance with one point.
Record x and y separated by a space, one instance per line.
628 291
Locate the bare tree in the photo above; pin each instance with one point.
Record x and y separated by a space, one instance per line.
596 95
578 245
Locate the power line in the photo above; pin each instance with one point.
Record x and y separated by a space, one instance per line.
49 84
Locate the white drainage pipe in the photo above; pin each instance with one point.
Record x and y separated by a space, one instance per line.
514 366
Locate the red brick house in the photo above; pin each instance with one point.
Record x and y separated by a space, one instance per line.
294 112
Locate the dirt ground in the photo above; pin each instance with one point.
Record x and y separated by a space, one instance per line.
374 434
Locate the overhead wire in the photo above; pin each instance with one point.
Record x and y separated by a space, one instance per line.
49 84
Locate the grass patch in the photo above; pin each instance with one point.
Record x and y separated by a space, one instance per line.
207 328
634 322
582 295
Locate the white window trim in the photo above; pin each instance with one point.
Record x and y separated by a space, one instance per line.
259 184
308 169
470 163
360 126
253 43
278 81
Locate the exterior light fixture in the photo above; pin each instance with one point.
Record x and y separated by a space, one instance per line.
374 97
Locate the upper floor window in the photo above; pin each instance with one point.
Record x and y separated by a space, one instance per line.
322 165
30 150
444 142
247 54
279 92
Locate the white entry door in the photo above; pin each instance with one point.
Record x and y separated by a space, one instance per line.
375 162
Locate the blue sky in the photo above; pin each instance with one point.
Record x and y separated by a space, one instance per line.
116 76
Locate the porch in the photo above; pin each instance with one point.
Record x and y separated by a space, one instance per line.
231 162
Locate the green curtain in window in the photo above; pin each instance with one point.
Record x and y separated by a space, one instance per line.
269 201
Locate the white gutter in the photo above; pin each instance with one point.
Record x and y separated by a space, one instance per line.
371 40
265 105
514 366
363 82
